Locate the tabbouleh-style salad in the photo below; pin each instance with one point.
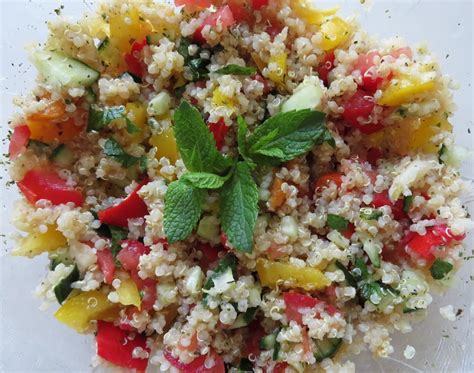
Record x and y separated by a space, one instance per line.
236 185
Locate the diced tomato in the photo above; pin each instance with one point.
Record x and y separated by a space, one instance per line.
135 64
252 345
198 3
125 324
325 180
46 184
219 131
273 29
361 106
326 67
106 263
402 51
275 251
130 254
366 65
373 155
209 254
296 304
148 289
258 4
240 11
266 87
18 141
193 343
382 199
424 245
223 16
116 346
130 208
198 364
280 367
349 231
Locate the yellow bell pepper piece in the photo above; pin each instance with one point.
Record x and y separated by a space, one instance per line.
281 61
138 115
335 32
79 311
165 143
421 135
274 274
404 90
127 27
219 99
36 243
310 14
128 293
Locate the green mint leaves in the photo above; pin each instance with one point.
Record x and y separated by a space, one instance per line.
99 119
440 269
337 222
239 207
236 70
183 207
280 138
114 150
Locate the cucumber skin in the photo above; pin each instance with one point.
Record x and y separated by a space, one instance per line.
327 348
63 288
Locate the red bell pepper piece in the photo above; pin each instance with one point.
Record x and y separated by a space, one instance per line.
106 263
116 346
18 141
326 67
219 131
198 364
296 303
135 64
223 16
258 4
130 208
46 184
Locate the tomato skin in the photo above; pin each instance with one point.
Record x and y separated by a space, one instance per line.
46 184
402 51
325 180
130 208
130 254
373 155
326 67
258 4
280 367
219 131
106 263
223 15
366 65
240 11
349 231
252 344
360 105
197 365
134 64
295 302
382 199
115 346
18 141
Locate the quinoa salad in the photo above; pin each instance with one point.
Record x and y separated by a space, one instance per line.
236 185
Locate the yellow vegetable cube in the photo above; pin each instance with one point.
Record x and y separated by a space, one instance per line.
428 127
404 90
334 32
274 274
279 60
165 143
36 243
310 14
128 293
126 28
136 112
79 311
219 99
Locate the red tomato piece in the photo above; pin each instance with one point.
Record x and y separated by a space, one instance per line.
402 51
18 141
198 364
296 303
326 67
106 263
46 184
266 87
198 3
382 199
325 180
130 208
280 367
240 11
219 131
258 4
361 105
373 155
116 346
273 29
135 64
252 345
223 16
349 231
130 254
367 67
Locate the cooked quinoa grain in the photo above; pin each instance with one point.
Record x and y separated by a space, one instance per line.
237 186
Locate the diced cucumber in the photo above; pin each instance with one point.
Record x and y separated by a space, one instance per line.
255 296
222 283
378 294
411 284
62 156
160 104
306 96
63 288
209 228
63 71
276 351
338 239
269 341
59 256
407 309
90 96
166 293
454 155
229 262
244 319
373 249
194 280
326 348
154 39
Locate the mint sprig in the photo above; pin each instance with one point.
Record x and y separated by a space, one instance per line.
204 180
236 70
183 207
239 207
99 119
114 150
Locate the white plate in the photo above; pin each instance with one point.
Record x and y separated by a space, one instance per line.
32 341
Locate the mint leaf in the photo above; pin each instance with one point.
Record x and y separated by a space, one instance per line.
195 142
236 70
182 210
337 222
204 180
114 150
239 208
407 202
287 135
101 118
440 269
